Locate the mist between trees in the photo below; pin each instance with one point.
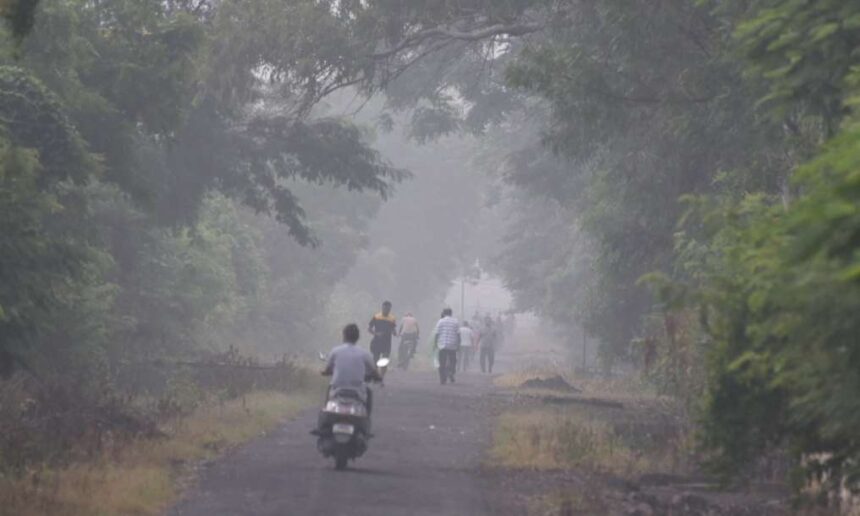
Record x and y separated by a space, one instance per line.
678 180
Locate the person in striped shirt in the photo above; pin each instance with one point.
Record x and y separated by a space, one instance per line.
447 339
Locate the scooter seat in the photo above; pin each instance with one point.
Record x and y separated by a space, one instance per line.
347 394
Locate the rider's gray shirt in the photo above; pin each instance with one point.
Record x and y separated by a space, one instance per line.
349 365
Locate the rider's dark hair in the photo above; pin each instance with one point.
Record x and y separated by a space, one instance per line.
350 333
446 312
386 303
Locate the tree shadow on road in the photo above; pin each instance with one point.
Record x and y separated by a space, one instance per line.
370 472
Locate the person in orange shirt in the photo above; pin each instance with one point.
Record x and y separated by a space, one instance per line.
383 326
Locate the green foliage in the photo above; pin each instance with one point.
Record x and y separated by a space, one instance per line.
135 196
146 143
654 106
682 122
805 51
646 110
34 119
22 244
775 277
152 107
779 300
51 283
20 15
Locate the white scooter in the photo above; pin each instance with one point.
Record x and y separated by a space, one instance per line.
343 428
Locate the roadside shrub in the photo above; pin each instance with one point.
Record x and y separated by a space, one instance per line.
56 423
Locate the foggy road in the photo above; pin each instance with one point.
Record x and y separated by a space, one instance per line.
424 460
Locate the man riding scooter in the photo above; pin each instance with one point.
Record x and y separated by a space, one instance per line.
350 367
344 423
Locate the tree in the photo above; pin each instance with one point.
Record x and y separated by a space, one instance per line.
774 279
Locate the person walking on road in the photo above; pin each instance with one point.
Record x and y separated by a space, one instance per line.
487 345
447 340
467 346
383 326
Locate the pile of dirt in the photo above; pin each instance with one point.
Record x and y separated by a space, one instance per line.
553 383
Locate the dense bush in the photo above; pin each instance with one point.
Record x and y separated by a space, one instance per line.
56 421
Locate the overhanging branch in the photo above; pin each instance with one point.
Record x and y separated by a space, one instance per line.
452 33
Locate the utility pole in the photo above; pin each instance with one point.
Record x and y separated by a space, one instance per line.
473 275
463 297
584 349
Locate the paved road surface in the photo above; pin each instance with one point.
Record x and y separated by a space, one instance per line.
425 460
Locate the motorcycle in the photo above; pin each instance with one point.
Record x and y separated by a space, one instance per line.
406 351
343 428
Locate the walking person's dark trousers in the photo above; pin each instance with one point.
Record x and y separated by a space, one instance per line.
379 352
488 356
447 364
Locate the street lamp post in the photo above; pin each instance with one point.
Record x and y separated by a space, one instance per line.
584 349
473 275
463 298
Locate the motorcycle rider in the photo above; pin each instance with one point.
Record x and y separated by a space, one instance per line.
350 367
383 326
409 335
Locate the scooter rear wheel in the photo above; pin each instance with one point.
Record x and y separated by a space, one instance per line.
403 355
340 462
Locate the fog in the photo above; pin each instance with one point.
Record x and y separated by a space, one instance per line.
641 215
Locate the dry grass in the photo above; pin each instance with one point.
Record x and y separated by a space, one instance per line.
549 438
144 477
543 439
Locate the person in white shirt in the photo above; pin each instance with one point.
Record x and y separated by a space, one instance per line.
467 346
447 340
